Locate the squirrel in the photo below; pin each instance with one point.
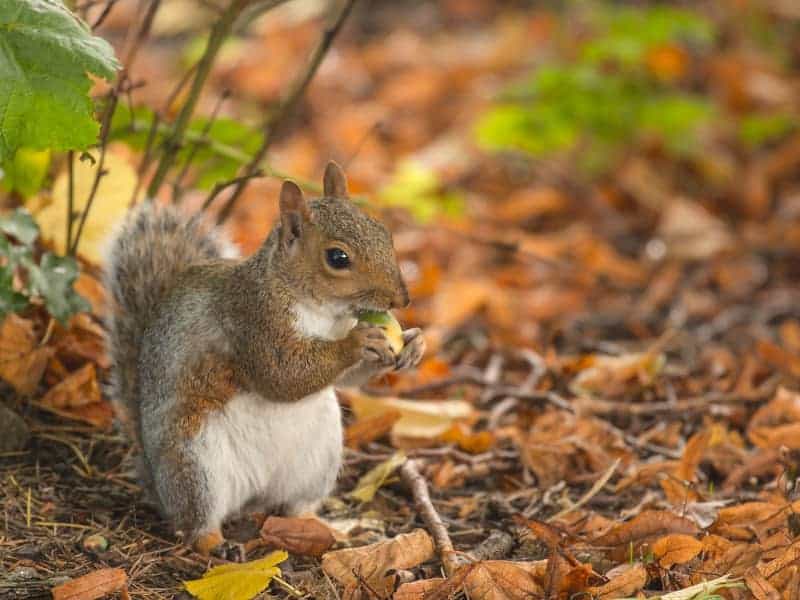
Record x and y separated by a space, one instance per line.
224 368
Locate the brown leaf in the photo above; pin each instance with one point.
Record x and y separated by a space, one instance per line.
372 562
92 585
789 557
78 389
644 528
759 586
676 549
309 537
366 430
424 589
624 583
692 455
502 580
22 360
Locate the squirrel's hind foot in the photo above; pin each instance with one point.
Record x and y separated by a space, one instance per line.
214 544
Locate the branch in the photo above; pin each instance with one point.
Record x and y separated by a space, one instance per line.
288 102
441 539
172 144
134 41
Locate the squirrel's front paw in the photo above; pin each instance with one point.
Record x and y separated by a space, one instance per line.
413 349
375 347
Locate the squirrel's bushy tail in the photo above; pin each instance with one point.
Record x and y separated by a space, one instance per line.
153 246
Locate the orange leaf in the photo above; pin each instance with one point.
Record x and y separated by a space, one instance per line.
501 580
676 549
644 528
92 585
78 389
624 583
22 360
369 429
474 443
308 537
759 586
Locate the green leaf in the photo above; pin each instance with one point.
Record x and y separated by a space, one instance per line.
53 279
237 581
25 172
10 299
20 225
45 55
417 189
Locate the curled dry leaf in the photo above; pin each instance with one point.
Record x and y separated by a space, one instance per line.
625 582
615 371
643 529
418 418
424 589
372 480
369 429
96 584
371 563
777 423
78 397
309 537
759 586
676 549
504 580
22 360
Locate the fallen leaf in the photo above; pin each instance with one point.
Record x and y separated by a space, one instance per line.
604 371
92 585
22 360
676 549
692 455
502 580
759 586
643 529
308 537
369 429
422 589
369 483
691 232
372 562
78 389
237 581
626 582
467 440
419 418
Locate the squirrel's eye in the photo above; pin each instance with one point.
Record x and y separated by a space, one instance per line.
337 258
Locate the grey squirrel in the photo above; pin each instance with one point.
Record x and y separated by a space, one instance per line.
224 368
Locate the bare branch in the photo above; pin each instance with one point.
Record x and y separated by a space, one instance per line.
289 100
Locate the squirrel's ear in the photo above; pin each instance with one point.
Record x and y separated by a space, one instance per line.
334 181
294 211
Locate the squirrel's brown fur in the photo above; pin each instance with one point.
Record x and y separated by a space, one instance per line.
225 367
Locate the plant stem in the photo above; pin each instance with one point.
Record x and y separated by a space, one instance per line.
172 144
288 102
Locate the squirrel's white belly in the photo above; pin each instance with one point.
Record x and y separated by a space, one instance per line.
282 455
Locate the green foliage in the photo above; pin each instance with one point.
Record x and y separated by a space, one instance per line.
418 190
761 128
46 56
22 278
606 98
217 151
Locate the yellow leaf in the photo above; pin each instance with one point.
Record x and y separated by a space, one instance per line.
110 205
372 480
418 418
237 581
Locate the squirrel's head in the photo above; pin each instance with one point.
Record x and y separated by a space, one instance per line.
334 252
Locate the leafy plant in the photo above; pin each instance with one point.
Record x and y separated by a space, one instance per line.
418 189
47 55
621 88
23 279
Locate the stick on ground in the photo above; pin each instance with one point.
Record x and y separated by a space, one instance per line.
441 539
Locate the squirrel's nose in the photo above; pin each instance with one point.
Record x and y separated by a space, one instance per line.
401 299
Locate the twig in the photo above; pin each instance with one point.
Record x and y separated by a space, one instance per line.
220 186
415 482
70 195
172 143
598 485
133 43
288 102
